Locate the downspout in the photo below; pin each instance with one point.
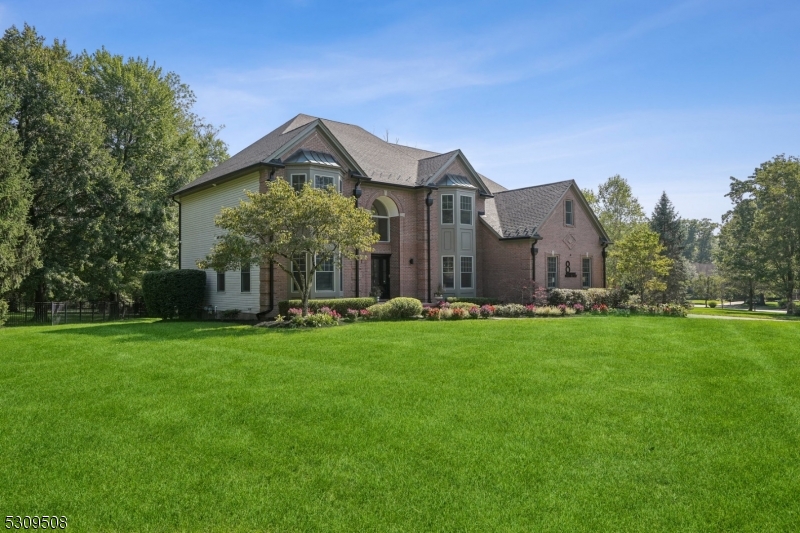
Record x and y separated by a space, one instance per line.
534 250
428 204
180 230
357 194
604 243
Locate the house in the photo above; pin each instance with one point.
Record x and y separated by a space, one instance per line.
442 225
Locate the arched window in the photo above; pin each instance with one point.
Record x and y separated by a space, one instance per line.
382 209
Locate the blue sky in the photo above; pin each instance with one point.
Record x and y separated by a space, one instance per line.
674 96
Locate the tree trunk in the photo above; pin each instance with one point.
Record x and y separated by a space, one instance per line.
790 293
752 305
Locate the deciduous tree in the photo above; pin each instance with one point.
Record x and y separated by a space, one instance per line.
619 212
641 262
319 225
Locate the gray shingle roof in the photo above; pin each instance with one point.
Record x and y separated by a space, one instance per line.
520 212
382 161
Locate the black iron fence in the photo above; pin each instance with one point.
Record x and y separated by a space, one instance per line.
55 313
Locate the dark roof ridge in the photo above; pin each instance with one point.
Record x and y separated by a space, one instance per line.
435 154
535 186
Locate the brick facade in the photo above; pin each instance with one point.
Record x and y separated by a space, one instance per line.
502 266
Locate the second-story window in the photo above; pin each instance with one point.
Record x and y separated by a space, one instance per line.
298 180
447 209
569 215
381 218
323 182
466 210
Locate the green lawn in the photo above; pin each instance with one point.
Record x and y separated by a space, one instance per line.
741 313
584 424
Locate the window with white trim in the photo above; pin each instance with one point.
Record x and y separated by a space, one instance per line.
466 210
447 209
552 271
323 279
466 272
299 270
586 272
246 277
323 182
298 180
569 214
449 272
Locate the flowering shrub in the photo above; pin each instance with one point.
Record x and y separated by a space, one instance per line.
432 313
578 308
530 310
562 309
364 313
486 311
540 296
444 305
474 311
352 314
445 313
601 309
510 310
459 313
328 311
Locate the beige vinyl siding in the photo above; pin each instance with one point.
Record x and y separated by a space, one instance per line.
198 234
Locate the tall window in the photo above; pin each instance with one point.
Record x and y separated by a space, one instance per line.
552 272
569 215
246 278
466 210
323 182
220 281
466 272
298 270
449 272
586 272
324 275
298 180
381 218
447 209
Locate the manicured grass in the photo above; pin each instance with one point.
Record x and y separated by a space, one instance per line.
584 424
741 313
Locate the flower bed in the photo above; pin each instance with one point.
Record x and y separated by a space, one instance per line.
411 308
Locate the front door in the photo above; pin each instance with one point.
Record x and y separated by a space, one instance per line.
380 275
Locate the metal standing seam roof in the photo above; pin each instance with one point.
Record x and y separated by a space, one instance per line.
310 156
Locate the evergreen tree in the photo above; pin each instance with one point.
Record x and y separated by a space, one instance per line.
667 224
19 250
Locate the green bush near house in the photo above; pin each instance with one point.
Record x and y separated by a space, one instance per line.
464 305
403 308
712 304
3 312
171 293
476 301
340 305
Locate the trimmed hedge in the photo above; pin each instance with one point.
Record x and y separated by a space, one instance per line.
340 305
477 301
587 297
403 308
3 312
171 293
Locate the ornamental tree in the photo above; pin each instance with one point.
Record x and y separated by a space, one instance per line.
641 262
320 225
